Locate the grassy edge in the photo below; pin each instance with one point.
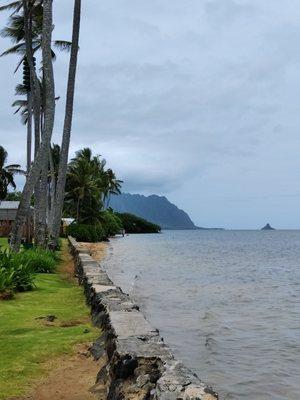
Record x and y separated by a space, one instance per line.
28 344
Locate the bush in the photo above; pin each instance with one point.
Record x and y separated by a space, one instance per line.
86 233
133 224
23 277
40 261
112 223
15 275
6 282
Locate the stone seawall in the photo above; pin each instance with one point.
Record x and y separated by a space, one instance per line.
139 364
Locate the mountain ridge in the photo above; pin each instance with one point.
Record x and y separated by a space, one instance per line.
154 208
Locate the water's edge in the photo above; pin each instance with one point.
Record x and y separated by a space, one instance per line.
139 362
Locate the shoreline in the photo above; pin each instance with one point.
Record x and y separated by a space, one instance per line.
140 365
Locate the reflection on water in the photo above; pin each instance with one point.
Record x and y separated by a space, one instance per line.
228 303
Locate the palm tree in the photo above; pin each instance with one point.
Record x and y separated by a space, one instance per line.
26 29
84 189
113 186
88 183
43 151
16 32
65 144
7 173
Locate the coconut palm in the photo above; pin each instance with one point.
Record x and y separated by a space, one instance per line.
7 173
113 186
84 189
26 29
88 182
43 151
65 144
16 32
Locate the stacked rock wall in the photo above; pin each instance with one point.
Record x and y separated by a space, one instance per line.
139 365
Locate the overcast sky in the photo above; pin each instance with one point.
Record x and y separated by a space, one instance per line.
197 100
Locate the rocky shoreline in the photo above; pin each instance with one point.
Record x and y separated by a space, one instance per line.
140 366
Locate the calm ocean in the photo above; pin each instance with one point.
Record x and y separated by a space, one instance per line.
227 302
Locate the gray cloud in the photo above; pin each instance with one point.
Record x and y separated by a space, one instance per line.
194 100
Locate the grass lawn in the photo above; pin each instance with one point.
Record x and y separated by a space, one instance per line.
26 342
3 242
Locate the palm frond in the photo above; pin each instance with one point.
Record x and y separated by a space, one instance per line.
17 49
15 6
63 45
20 90
19 103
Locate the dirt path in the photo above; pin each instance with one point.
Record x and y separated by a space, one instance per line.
71 378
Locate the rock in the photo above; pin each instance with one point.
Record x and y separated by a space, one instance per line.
139 364
267 227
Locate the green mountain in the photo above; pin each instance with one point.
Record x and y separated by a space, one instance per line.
156 209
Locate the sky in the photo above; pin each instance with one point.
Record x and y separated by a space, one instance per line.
196 100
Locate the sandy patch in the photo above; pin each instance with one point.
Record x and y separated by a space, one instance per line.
71 378
97 250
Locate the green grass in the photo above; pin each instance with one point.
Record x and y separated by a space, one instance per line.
26 342
3 242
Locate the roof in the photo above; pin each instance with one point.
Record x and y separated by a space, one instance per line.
9 205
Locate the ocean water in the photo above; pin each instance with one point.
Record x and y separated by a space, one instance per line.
227 303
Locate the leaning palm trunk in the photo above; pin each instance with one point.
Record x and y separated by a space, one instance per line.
49 118
63 162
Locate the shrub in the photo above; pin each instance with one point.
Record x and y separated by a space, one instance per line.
40 261
23 277
133 224
14 274
6 283
112 223
86 233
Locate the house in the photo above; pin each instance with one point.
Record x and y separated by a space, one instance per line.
8 212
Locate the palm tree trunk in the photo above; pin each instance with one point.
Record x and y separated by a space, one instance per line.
29 130
49 118
29 149
63 162
52 190
41 211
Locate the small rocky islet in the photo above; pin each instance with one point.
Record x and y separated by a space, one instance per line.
268 227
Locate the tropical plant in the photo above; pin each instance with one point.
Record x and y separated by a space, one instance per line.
15 275
27 30
48 122
133 224
88 183
7 173
65 144
113 186
39 260
87 233
111 223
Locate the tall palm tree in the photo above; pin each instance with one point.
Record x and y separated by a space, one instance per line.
16 32
43 151
65 144
7 173
27 18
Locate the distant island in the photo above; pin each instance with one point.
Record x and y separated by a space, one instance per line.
268 227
